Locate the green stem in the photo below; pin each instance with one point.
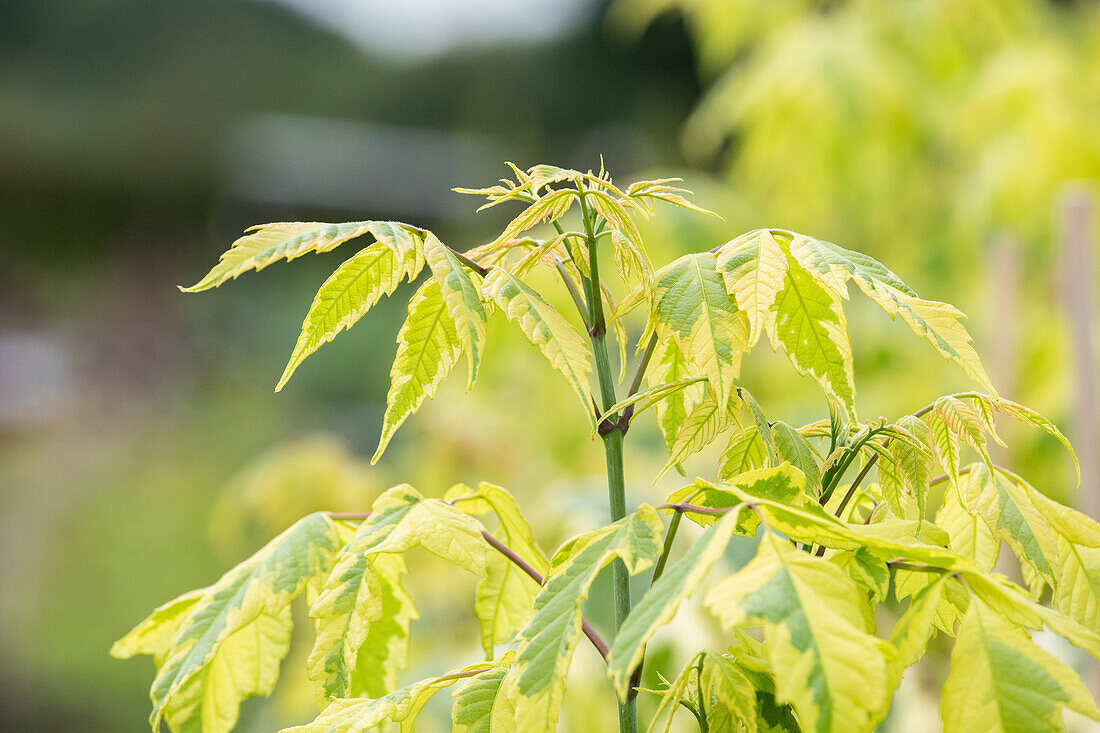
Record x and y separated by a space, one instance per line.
612 441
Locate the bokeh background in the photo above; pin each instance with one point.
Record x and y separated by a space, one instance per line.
142 451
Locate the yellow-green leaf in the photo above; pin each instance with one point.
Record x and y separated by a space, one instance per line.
1007 509
362 609
354 288
463 298
968 533
555 337
506 595
550 637
791 446
240 621
690 304
1002 681
285 240
358 715
657 607
809 322
754 268
428 350
826 664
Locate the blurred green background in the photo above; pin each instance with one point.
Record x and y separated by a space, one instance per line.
142 451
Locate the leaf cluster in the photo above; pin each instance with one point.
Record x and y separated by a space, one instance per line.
851 514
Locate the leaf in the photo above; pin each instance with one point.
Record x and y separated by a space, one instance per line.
245 664
1002 681
355 287
968 534
667 366
463 299
744 452
154 635
691 305
810 324
239 621
649 397
1026 414
826 665
1005 507
914 629
1077 584
285 240
791 446
362 610
939 323
472 711
550 637
385 650
659 190
657 607
548 207
905 470
358 715
754 268
566 349
442 530
506 595
730 696
670 697
428 350
700 428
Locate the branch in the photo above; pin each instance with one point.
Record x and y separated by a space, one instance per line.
571 286
483 271
593 637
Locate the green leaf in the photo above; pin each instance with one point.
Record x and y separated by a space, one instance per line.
826 665
657 607
550 637
226 644
730 696
506 595
472 711
284 240
355 287
428 350
810 324
358 715
791 446
463 298
1006 508
559 342
1002 681
754 268
690 304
